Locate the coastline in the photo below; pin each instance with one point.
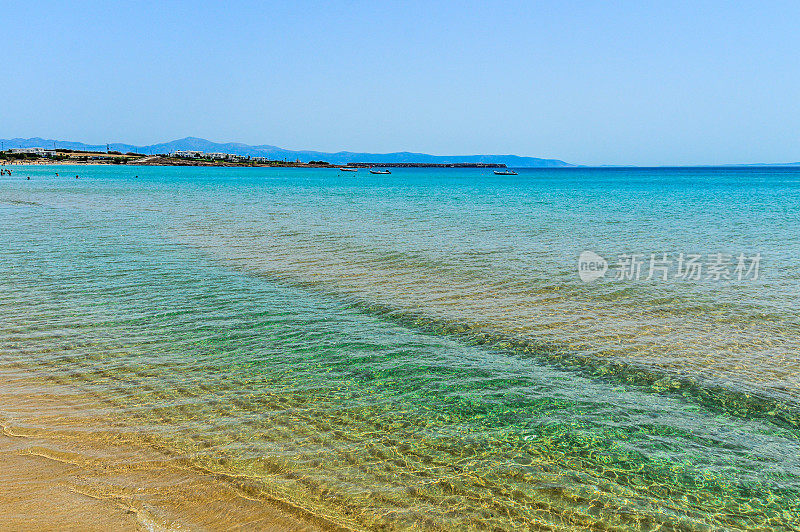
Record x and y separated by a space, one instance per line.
171 161
160 161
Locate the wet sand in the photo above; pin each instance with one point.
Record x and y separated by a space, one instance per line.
60 471
35 494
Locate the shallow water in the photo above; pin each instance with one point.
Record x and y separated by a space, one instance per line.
417 350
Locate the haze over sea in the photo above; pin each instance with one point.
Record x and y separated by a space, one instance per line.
414 349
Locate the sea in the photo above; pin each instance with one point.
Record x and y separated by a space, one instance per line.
435 349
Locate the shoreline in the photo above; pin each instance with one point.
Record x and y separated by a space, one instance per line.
65 467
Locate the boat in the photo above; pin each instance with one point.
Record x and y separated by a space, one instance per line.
348 169
371 171
505 172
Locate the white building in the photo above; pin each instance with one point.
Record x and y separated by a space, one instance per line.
228 156
189 154
41 152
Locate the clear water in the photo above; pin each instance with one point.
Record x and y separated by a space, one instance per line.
417 350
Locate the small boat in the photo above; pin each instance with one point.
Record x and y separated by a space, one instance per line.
505 172
348 169
371 171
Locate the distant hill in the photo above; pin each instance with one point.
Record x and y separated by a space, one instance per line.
275 153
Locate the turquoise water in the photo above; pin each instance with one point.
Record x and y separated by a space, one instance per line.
418 350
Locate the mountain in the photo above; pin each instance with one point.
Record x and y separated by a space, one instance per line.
276 153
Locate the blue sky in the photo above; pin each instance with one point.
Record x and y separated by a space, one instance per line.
625 82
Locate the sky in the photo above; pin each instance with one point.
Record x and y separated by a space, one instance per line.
588 82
